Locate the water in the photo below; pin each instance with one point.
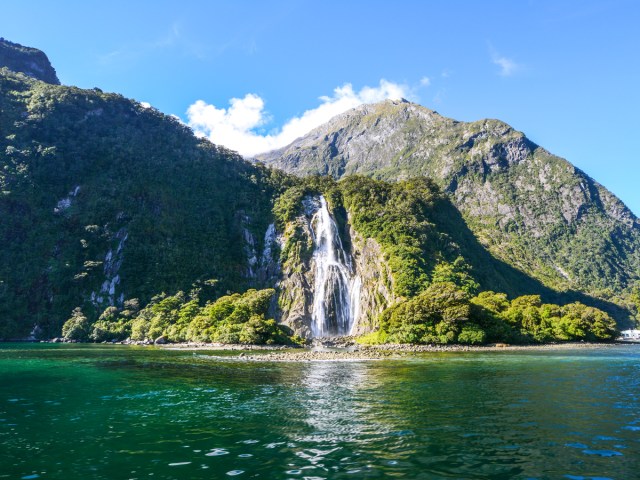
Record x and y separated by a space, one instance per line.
112 412
337 289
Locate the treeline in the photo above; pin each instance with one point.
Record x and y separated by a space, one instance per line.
234 319
444 313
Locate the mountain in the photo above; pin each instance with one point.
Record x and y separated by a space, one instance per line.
30 61
529 208
118 222
103 200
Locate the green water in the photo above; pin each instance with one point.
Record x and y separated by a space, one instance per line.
108 412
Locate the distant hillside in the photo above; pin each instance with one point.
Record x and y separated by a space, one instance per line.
27 60
103 200
531 209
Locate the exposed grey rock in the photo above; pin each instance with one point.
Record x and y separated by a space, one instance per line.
27 60
531 209
377 283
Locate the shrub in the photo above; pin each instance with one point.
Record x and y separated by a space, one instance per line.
77 327
472 334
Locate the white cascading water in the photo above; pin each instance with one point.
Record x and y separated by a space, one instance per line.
336 299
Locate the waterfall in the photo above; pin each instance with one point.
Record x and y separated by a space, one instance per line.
336 299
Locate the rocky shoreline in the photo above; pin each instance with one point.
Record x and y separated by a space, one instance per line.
319 352
342 349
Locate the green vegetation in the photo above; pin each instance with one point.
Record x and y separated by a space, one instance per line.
397 216
84 173
30 61
237 318
443 287
103 199
532 210
77 327
444 314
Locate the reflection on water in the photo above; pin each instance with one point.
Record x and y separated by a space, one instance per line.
340 419
331 400
105 412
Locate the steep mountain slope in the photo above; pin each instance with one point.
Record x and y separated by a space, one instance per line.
531 209
396 261
103 200
119 220
30 61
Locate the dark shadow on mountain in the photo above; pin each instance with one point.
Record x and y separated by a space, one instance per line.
494 274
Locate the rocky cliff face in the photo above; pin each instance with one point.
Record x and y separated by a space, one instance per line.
531 209
27 60
295 288
377 291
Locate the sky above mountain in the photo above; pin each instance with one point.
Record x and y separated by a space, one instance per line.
255 75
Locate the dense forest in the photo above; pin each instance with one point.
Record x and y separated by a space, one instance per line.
441 301
97 188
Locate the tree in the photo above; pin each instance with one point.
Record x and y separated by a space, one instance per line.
472 334
433 316
76 327
458 273
581 322
492 301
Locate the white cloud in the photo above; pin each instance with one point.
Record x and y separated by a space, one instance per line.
425 81
507 66
234 127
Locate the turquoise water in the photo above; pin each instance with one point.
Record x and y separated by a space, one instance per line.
115 412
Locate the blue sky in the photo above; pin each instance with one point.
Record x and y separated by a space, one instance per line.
564 72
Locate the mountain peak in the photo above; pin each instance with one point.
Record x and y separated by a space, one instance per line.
395 101
362 127
523 203
27 60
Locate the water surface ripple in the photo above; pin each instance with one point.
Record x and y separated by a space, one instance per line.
108 412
